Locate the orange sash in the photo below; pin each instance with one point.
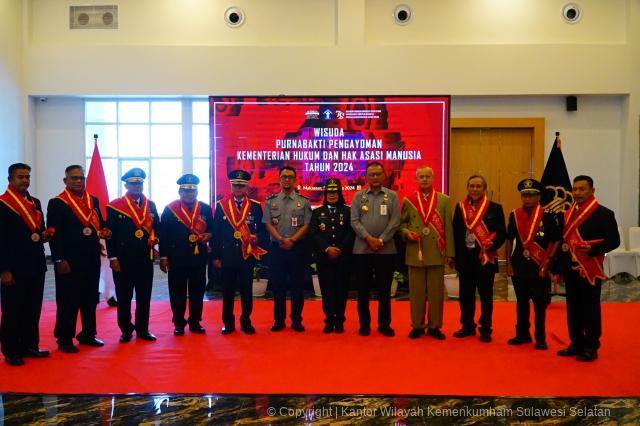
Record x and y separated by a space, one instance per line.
237 220
528 226
140 215
430 216
23 207
474 223
82 207
194 223
589 267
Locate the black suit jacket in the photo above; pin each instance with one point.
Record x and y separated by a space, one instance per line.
493 219
174 239
18 253
123 244
600 225
69 243
228 249
331 230
549 232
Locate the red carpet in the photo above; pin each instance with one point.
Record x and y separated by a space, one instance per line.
314 363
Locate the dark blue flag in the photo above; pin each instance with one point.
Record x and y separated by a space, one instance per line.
556 196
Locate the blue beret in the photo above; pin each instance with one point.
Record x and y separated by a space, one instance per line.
188 181
134 175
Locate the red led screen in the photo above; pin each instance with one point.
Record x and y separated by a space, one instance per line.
325 137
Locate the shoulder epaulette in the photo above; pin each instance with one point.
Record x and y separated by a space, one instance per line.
272 196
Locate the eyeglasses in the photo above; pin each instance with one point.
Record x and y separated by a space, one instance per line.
287 177
76 178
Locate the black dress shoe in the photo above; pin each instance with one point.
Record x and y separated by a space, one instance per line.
277 326
35 353
415 333
146 335
96 343
297 326
125 337
485 338
518 340
248 329
178 331
68 348
387 331
587 355
112 302
568 351
364 330
542 346
436 333
197 328
339 328
14 361
228 329
328 328
464 332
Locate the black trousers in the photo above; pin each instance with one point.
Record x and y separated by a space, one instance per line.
138 277
536 289
21 306
185 280
583 311
334 283
475 276
376 269
240 278
76 291
287 271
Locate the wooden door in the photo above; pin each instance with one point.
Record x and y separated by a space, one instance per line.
504 156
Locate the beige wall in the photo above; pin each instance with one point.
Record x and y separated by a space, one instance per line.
11 128
466 48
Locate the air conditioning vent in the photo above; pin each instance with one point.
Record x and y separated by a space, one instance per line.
93 17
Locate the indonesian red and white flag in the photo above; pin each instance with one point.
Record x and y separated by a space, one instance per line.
97 186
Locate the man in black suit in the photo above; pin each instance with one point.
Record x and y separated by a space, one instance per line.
22 268
76 251
133 221
537 238
479 231
590 231
238 231
332 238
186 228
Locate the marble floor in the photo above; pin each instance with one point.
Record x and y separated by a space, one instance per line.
161 409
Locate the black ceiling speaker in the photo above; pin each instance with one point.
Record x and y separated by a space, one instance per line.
572 103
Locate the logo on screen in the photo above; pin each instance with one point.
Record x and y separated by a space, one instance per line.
327 114
312 114
340 115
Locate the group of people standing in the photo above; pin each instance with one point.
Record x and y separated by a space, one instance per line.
358 239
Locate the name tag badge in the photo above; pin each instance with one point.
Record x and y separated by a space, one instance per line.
383 209
294 220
